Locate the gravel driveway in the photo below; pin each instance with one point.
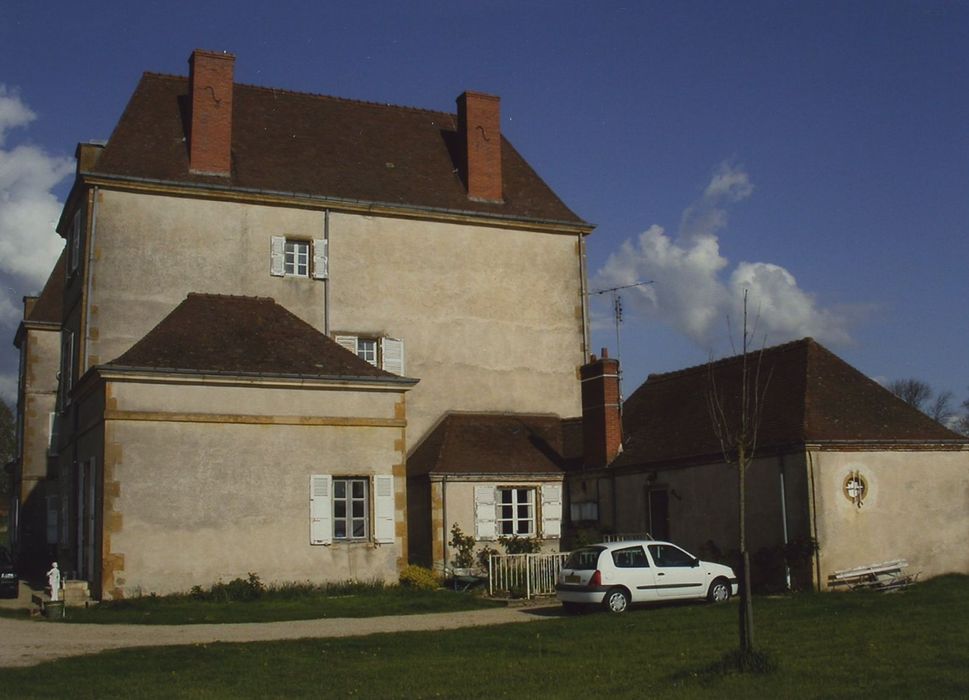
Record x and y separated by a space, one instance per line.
29 642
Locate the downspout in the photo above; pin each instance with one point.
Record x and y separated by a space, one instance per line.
326 281
89 284
814 520
443 522
584 288
787 568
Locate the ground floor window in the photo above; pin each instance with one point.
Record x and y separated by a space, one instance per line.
350 511
516 512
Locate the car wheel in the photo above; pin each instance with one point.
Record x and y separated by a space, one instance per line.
616 600
572 608
719 591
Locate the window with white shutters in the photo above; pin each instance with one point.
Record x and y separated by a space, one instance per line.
295 257
386 353
341 508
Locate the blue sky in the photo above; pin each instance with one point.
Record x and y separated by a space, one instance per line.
814 153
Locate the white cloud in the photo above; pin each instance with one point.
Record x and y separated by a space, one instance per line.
28 209
689 291
8 389
13 112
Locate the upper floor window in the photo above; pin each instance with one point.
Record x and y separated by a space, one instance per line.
298 257
386 353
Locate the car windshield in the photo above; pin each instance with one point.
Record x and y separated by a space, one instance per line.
584 559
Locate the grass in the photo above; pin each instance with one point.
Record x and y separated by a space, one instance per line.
292 602
914 643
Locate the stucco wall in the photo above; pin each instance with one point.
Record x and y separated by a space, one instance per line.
41 365
703 504
196 501
916 508
490 318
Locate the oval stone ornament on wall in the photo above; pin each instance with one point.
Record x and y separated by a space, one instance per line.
855 488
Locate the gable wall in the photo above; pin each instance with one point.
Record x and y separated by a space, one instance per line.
916 508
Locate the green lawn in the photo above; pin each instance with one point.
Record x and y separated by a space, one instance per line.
914 643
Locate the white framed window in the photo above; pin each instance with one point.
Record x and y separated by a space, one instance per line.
367 350
349 509
351 517
516 512
298 257
386 353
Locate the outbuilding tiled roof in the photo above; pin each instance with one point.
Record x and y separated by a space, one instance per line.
244 335
494 443
314 145
812 396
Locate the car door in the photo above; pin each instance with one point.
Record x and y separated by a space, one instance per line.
631 569
676 571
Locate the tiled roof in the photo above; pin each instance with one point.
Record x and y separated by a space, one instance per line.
50 304
305 144
812 396
243 335
487 443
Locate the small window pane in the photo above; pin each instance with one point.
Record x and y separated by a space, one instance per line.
339 488
357 489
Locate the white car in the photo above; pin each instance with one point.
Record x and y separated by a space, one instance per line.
615 574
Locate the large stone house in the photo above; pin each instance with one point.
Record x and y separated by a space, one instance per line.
840 460
268 299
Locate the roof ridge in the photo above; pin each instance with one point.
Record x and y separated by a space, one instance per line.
318 95
783 347
247 297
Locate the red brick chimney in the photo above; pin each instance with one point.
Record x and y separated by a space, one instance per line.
601 418
210 135
479 127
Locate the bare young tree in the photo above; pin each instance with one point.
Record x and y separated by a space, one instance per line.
912 391
918 394
736 413
941 409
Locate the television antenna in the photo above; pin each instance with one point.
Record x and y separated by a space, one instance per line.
617 315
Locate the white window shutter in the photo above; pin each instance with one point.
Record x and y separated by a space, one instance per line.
321 509
321 259
277 256
383 508
552 510
347 341
484 512
392 352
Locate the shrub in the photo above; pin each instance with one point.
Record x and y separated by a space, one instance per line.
419 578
463 546
520 545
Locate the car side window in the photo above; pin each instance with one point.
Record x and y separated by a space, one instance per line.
630 558
668 555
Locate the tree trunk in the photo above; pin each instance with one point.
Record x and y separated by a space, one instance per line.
746 611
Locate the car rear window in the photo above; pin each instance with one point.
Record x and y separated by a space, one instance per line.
585 559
